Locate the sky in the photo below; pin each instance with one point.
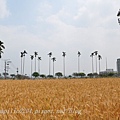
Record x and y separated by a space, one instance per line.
56 26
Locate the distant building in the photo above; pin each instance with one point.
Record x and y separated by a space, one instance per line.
118 65
107 71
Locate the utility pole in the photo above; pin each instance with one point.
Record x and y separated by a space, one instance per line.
6 69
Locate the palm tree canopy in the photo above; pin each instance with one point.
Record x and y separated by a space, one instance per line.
79 53
22 54
119 20
50 54
54 59
99 57
36 53
25 52
1 45
118 13
1 42
96 52
39 58
92 54
1 50
31 57
64 54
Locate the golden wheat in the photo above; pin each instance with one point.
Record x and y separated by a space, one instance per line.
70 99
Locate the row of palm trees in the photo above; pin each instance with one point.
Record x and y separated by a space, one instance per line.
31 57
23 54
95 53
99 58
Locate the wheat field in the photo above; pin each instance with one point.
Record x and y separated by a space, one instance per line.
60 99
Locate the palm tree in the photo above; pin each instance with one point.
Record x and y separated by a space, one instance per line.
54 59
39 58
118 15
31 56
24 52
1 48
96 53
79 61
49 54
92 54
35 53
64 54
21 61
99 58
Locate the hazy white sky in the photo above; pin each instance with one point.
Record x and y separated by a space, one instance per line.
56 26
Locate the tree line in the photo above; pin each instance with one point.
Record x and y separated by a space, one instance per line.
36 73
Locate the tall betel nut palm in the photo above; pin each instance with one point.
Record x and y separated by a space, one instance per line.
35 53
24 53
79 61
1 48
39 59
54 59
21 61
92 54
64 54
96 53
31 57
50 54
99 58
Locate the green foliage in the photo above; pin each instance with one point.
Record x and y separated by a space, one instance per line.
75 74
110 74
13 76
22 76
78 74
50 76
58 74
70 76
43 76
81 74
5 74
107 74
35 74
90 75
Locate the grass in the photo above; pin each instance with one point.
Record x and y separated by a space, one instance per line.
69 99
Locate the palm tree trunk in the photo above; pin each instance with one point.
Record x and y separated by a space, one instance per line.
49 64
96 63
35 64
92 66
53 68
99 67
39 67
21 66
31 69
78 64
64 66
